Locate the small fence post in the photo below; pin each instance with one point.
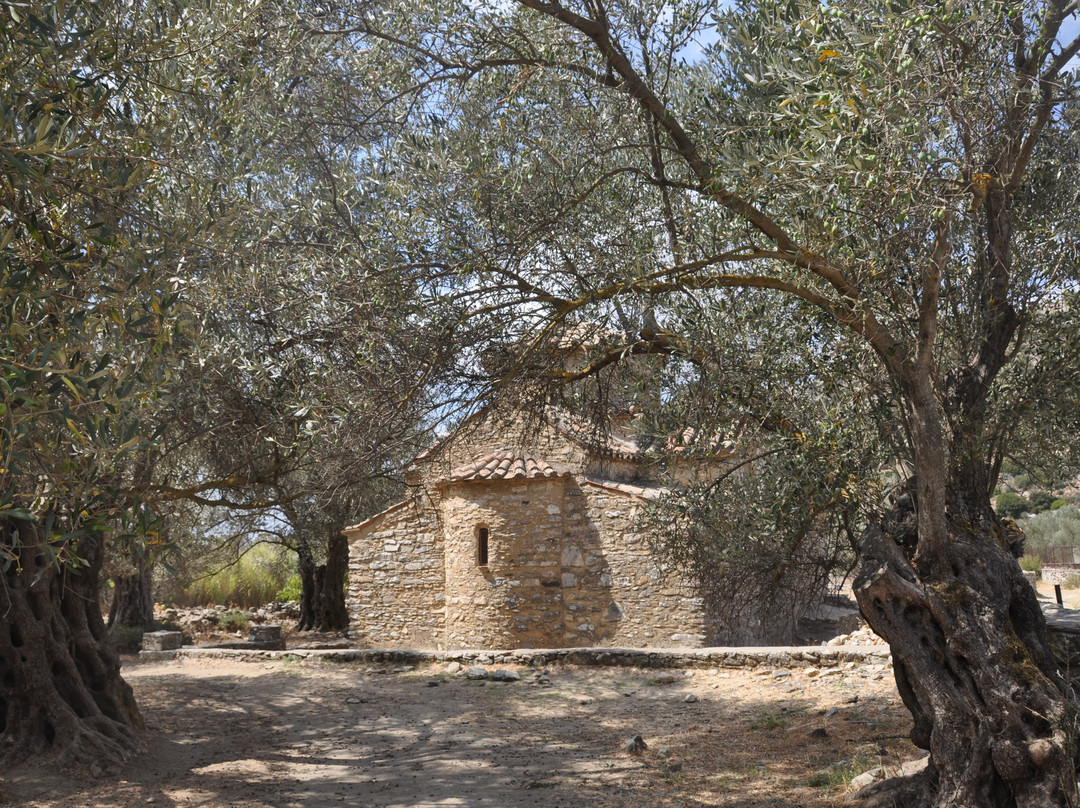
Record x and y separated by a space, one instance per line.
1057 594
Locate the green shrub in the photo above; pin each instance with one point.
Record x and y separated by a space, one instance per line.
840 774
291 590
1021 482
126 639
769 721
1030 563
1041 501
1010 504
1059 503
234 620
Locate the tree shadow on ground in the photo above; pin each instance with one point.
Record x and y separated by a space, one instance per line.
299 736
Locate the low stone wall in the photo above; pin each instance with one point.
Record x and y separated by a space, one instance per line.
769 657
1059 573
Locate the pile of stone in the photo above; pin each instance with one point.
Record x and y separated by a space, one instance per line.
260 638
197 622
863 636
476 672
837 614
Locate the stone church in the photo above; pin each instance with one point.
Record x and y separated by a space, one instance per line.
518 533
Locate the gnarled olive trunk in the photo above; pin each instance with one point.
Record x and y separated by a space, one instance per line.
330 611
133 600
972 664
308 573
322 588
60 687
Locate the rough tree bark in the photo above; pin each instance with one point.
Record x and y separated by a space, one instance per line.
973 666
60 685
322 588
970 652
308 574
133 600
330 611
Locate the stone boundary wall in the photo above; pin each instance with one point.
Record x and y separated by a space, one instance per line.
1059 573
764 657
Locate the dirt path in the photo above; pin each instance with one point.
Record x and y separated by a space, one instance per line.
291 735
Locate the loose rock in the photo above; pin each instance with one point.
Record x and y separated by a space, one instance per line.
636 745
866 778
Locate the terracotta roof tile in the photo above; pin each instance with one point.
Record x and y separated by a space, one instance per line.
647 491
503 464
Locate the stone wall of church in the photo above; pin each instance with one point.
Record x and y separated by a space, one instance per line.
515 599
567 564
639 600
397 595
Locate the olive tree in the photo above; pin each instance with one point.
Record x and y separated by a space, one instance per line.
904 173
87 282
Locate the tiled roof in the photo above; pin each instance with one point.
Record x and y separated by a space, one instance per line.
640 491
503 464
589 437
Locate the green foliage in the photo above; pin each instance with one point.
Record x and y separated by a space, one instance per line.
233 620
1059 503
85 296
769 721
291 590
807 130
1031 563
1009 467
1011 505
253 579
840 774
1053 528
1041 501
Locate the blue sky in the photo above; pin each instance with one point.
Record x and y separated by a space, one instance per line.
1070 29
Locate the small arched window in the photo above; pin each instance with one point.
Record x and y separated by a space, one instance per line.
481 547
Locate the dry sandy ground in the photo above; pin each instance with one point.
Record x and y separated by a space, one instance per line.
224 734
